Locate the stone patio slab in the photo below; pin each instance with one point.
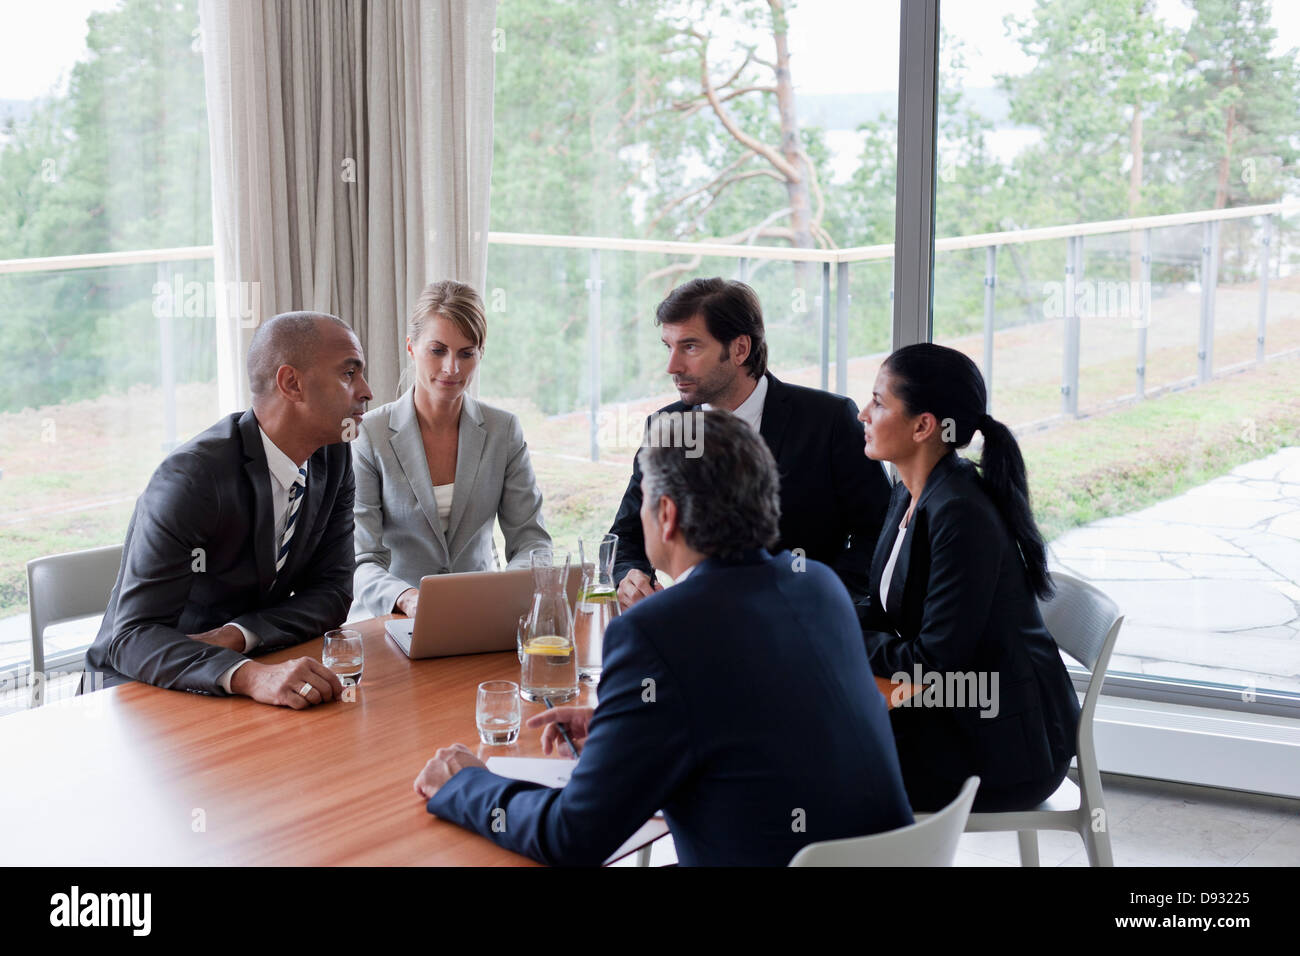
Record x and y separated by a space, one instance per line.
1199 605
1236 652
1277 552
1229 487
1179 539
1096 569
1205 512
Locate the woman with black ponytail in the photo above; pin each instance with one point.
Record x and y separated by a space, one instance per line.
954 581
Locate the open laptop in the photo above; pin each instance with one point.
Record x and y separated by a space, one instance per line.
469 613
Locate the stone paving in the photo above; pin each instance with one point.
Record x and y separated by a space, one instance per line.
1209 582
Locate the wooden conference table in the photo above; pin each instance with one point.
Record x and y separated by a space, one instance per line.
136 775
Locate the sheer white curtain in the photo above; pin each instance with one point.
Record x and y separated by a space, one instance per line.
351 145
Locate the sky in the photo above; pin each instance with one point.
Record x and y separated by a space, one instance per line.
837 46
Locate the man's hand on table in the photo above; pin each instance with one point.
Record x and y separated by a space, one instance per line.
576 720
227 636
446 763
299 683
635 586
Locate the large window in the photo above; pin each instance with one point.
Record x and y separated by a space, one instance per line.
1149 364
628 134
109 363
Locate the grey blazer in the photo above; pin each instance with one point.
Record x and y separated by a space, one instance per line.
398 535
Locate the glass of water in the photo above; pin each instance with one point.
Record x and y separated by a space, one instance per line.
497 712
342 654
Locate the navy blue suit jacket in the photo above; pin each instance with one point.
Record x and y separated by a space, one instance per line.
740 703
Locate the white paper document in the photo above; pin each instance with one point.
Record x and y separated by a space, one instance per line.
555 772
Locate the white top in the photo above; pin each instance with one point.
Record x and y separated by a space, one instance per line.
750 411
443 494
283 474
888 574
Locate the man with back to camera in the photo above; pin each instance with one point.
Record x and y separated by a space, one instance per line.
243 538
738 701
833 500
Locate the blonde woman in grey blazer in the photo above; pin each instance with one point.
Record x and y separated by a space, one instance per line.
434 468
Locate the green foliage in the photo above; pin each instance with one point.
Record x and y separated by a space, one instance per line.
119 163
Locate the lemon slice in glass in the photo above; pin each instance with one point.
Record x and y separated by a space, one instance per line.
549 644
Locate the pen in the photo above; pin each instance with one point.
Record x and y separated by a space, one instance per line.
561 728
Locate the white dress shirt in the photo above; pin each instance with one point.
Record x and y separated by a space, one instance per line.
283 473
751 409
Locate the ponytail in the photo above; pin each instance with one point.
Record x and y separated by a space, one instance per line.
1002 472
948 384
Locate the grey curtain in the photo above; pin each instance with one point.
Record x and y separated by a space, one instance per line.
351 147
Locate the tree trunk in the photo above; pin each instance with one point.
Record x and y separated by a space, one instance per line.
796 189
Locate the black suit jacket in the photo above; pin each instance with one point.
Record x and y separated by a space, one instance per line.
200 553
833 498
959 602
737 701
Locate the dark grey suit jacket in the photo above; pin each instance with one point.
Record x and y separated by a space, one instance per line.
200 553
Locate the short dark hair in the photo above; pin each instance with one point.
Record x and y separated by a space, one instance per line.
730 309
726 487
290 338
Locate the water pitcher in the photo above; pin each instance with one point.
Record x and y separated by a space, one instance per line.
550 666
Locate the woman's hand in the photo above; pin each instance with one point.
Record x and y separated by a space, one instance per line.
407 602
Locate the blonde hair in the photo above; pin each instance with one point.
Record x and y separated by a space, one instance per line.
452 300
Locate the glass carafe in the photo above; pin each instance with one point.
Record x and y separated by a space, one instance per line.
597 606
550 666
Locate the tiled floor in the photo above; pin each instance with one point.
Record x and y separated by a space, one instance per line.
1153 823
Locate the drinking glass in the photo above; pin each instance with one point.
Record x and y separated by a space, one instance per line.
597 606
497 712
342 654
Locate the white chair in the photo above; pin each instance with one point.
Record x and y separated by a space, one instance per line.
63 587
1085 624
928 842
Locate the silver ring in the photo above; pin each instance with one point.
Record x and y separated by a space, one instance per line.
304 689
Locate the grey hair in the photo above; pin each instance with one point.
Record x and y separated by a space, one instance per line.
290 338
727 492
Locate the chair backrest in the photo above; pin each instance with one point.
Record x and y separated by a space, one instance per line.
1079 617
1085 623
931 842
61 587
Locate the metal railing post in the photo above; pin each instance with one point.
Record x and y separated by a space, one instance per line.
1145 321
1209 280
990 287
1070 360
842 328
826 325
742 269
1266 243
165 349
594 283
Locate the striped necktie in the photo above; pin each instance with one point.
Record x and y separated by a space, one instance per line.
295 501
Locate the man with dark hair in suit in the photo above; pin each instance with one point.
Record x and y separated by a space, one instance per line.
833 500
690 718
243 538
